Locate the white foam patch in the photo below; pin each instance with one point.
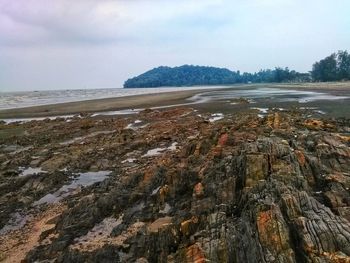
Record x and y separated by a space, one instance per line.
216 117
25 120
30 171
261 110
118 112
159 151
154 152
129 160
173 146
136 125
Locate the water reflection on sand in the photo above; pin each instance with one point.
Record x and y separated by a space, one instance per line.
275 94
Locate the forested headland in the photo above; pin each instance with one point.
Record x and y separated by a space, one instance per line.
335 67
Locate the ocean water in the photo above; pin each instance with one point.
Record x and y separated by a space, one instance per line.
12 100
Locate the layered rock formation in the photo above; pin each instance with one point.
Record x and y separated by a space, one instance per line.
181 189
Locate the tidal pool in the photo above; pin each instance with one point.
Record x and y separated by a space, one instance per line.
83 180
17 221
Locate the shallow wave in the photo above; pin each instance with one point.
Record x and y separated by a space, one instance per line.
12 100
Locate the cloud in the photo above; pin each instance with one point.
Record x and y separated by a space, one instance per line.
28 21
25 22
130 22
91 43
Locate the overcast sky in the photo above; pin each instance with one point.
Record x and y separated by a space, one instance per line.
76 44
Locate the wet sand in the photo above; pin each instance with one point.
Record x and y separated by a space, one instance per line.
157 100
334 88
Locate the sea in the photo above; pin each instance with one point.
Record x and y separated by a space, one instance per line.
22 99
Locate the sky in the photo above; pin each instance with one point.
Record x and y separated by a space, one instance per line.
65 44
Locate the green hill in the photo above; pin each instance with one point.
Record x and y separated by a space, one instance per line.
183 76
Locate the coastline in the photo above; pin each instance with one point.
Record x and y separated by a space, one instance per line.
156 100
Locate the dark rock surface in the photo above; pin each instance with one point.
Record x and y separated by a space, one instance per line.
181 189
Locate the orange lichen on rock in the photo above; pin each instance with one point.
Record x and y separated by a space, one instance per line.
272 231
301 157
267 229
194 254
148 175
336 257
198 190
269 120
223 139
159 224
344 138
315 124
277 120
338 177
163 192
185 225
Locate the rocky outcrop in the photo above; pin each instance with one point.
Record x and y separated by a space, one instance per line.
241 189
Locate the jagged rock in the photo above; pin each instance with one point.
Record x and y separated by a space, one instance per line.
242 189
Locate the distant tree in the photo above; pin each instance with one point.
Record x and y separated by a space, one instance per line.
316 71
332 68
281 75
325 69
343 65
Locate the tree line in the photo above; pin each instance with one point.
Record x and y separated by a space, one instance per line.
188 75
332 68
335 67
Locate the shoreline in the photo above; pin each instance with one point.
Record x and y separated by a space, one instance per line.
102 105
155 100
